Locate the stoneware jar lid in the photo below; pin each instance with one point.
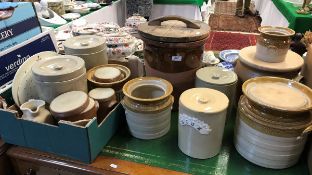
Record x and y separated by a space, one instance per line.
84 44
107 74
204 100
278 93
69 104
174 29
102 94
216 75
292 62
58 68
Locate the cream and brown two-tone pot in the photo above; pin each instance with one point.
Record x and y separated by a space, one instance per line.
147 104
273 43
273 121
174 49
55 75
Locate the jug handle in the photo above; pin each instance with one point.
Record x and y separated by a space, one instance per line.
158 21
307 130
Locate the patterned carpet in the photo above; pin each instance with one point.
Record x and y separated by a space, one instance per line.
233 23
225 8
218 41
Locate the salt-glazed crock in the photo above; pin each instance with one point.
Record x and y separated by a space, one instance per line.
273 121
173 50
59 74
147 104
273 43
202 114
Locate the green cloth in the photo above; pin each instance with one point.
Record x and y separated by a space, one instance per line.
165 153
197 2
298 22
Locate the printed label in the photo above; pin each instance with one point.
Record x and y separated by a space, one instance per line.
176 58
199 125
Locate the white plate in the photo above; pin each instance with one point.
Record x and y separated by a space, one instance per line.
230 56
92 5
23 87
71 16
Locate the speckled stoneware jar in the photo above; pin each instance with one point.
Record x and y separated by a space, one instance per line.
55 75
92 49
273 121
220 79
147 104
273 43
202 114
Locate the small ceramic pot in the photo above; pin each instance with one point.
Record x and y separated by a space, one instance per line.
106 98
35 110
273 43
219 79
147 104
202 114
92 49
134 21
116 85
74 106
59 74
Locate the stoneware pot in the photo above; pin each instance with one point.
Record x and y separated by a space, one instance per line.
273 43
202 114
74 106
273 121
116 83
59 74
174 46
106 97
147 104
35 110
92 49
307 68
219 79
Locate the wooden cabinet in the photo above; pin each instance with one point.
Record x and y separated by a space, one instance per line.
31 162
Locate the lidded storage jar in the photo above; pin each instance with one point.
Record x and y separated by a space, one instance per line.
174 49
273 43
202 114
147 104
273 120
91 48
59 74
220 79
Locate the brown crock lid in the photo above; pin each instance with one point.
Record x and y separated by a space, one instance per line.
292 62
174 29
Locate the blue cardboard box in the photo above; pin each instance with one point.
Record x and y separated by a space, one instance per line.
23 24
68 140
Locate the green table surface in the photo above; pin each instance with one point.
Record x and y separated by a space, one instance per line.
164 153
298 22
197 2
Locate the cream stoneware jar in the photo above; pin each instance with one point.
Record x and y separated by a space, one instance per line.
92 49
273 121
220 79
147 104
202 114
59 74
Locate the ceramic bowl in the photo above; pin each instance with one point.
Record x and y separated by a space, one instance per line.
81 9
226 65
230 56
116 85
71 16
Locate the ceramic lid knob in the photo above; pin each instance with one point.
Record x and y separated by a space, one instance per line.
58 68
204 100
216 75
69 104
